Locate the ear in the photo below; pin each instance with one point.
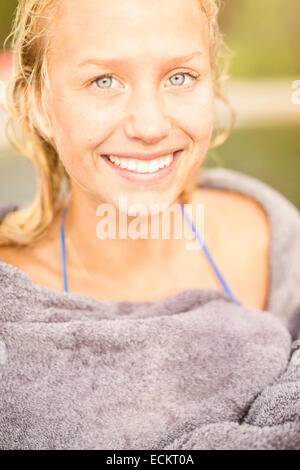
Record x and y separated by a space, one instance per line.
39 117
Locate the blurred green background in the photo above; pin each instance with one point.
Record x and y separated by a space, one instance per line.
264 37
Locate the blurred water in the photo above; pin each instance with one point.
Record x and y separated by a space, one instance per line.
271 154
18 178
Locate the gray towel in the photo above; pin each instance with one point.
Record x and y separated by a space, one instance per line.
191 371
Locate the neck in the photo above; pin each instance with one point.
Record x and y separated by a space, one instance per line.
117 249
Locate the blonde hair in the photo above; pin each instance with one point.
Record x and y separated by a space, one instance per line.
29 45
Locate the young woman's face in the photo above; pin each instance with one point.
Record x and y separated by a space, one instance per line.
157 98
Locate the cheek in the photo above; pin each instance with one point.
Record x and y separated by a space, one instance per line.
196 113
81 124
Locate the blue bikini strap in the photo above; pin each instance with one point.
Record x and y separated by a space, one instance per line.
63 249
209 257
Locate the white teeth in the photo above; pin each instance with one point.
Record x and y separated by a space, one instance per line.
142 166
123 164
154 166
132 165
168 160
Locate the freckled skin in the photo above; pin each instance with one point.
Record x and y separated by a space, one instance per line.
142 111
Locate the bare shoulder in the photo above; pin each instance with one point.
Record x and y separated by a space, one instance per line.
38 260
239 214
238 234
22 257
12 255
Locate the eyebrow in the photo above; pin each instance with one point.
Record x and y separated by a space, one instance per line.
115 61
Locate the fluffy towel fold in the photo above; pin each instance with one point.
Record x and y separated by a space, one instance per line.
191 371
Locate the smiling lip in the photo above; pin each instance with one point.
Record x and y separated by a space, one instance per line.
142 156
144 177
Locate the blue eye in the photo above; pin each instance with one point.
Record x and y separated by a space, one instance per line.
180 78
106 81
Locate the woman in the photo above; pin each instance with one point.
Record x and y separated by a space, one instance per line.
125 341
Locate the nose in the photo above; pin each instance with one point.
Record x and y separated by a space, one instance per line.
146 119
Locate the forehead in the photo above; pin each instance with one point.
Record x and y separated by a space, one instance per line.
152 28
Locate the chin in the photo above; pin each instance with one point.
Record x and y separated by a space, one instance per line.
143 204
